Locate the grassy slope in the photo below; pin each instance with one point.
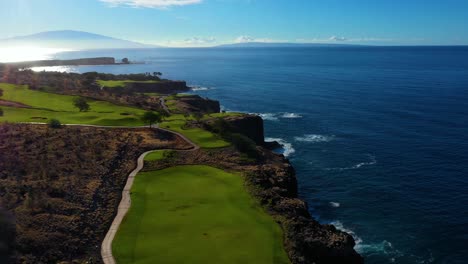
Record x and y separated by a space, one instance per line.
112 84
203 138
174 219
48 105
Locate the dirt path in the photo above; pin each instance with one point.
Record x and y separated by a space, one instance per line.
125 202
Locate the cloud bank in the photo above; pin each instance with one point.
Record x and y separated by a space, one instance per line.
151 3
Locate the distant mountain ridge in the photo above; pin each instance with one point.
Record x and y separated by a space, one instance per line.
71 39
281 45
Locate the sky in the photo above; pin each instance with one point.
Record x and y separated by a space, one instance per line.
214 22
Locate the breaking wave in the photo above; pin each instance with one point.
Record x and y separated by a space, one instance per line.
290 115
287 148
384 247
268 116
335 204
200 88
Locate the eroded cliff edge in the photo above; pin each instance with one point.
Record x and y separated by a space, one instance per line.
272 180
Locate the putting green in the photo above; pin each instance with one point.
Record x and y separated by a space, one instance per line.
196 214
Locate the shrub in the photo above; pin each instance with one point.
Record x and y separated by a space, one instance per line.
54 123
1 112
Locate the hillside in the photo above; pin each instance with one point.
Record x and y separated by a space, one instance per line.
70 39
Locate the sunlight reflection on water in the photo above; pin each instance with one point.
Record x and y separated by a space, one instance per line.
17 54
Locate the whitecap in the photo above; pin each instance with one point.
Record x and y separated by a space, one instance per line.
268 116
200 88
286 146
335 204
384 247
371 162
315 138
291 115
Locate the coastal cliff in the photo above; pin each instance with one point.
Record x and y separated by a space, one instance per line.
162 87
272 180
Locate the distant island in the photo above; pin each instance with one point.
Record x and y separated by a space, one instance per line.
71 39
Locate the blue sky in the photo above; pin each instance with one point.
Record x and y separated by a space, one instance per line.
211 22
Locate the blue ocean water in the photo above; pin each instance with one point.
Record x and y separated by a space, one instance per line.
378 135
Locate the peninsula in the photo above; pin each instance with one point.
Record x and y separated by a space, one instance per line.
104 168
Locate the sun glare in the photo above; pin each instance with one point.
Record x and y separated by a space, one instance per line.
16 54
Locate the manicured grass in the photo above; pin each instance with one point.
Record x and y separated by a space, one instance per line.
196 214
201 137
226 114
113 84
155 155
46 106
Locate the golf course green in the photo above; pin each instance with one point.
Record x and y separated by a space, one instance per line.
44 106
196 214
113 84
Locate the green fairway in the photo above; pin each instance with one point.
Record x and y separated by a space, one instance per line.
196 214
48 105
113 84
155 155
201 137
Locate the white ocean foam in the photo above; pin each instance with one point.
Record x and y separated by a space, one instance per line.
315 138
384 247
268 116
335 204
287 147
371 162
200 88
291 115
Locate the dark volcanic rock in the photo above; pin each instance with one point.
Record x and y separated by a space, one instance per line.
248 125
195 103
163 87
306 240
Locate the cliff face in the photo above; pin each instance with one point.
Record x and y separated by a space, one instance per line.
163 87
248 125
195 103
275 185
306 240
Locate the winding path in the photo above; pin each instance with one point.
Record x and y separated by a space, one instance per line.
125 202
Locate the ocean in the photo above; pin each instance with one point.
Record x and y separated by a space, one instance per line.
378 135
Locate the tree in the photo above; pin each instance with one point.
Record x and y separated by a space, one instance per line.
81 104
1 112
151 118
125 61
1 92
197 116
54 123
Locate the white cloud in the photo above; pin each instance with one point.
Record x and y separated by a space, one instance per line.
336 38
151 3
200 40
244 39
247 39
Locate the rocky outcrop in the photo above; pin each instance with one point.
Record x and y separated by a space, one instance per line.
247 125
195 103
306 240
162 87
